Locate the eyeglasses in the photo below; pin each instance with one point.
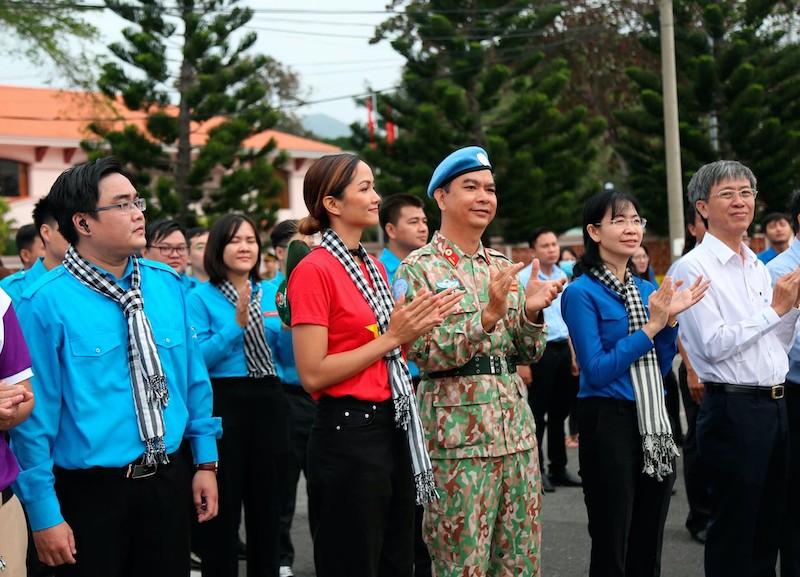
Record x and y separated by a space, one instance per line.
167 250
744 193
124 207
623 222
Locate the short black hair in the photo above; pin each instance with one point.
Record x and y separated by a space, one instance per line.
537 232
594 211
392 205
221 233
76 190
773 217
195 231
43 214
282 232
161 229
26 236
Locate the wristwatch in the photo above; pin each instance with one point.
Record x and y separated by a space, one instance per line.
208 467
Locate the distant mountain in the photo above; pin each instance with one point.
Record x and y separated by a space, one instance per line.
325 126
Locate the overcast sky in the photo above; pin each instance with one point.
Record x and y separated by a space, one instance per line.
325 42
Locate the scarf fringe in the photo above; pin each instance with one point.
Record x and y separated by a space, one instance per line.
425 488
155 452
402 411
157 389
659 450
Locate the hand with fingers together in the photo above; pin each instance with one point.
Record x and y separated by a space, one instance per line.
539 294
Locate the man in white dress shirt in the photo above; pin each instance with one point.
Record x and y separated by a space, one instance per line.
737 340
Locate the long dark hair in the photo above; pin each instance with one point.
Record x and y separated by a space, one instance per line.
221 233
595 210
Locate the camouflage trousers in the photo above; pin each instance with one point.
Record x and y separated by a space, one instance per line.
487 521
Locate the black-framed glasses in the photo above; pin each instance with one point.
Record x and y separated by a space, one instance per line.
166 250
124 207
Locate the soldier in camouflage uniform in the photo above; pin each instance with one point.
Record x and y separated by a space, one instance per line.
479 427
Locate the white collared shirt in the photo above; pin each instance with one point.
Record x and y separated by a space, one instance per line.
733 335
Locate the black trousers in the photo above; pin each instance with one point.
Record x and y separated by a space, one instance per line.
744 443
672 400
302 409
627 509
550 397
790 543
694 472
127 527
361 491
253 452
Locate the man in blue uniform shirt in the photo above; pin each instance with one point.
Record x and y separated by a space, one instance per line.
54 248
119 383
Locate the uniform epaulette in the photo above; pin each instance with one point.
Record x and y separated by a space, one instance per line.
46 278
145 262
422 252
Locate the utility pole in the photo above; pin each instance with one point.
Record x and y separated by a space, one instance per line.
672 142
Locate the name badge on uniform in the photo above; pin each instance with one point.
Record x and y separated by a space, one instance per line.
399 288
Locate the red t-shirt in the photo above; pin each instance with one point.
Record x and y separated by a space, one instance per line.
322 293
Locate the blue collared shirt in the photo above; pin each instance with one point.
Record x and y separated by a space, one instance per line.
390 263
784 263
85 415
552 314
15 284
766 256
221 338
605 351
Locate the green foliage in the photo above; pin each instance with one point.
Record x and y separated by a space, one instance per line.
476 72
218 78
5 226
43 30
738 88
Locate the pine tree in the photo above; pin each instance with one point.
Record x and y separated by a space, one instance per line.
219 79
738 85
477 72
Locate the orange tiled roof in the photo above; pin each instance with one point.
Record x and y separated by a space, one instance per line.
45 114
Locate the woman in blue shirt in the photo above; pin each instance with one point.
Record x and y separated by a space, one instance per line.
228 315
624 333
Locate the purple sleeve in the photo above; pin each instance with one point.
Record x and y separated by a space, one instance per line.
14 357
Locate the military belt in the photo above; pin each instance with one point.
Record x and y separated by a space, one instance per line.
494 365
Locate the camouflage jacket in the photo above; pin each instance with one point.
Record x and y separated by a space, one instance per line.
477 415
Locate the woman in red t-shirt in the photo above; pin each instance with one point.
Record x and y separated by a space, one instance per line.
366 453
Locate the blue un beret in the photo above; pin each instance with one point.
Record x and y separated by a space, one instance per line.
460 162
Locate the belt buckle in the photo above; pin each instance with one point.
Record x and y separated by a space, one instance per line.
495 365
777 392
140 471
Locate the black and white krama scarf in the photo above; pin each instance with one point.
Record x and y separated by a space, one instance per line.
648 385
406 413
256 350
148 381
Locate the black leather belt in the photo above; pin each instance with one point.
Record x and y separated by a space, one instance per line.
134 470
775 392
7 494
494 365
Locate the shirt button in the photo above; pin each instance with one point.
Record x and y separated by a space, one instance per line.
168 340
97 350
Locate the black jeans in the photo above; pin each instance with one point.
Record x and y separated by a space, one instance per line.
127 527
694 472
361 491
790 542
627 509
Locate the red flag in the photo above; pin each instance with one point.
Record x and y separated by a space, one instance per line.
370 123
389 125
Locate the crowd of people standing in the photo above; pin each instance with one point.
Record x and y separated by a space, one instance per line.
155 388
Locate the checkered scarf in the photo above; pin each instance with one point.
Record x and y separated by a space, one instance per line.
256 350
406 414
648 385
148 381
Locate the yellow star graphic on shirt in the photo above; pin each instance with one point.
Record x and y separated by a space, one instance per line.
373 328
